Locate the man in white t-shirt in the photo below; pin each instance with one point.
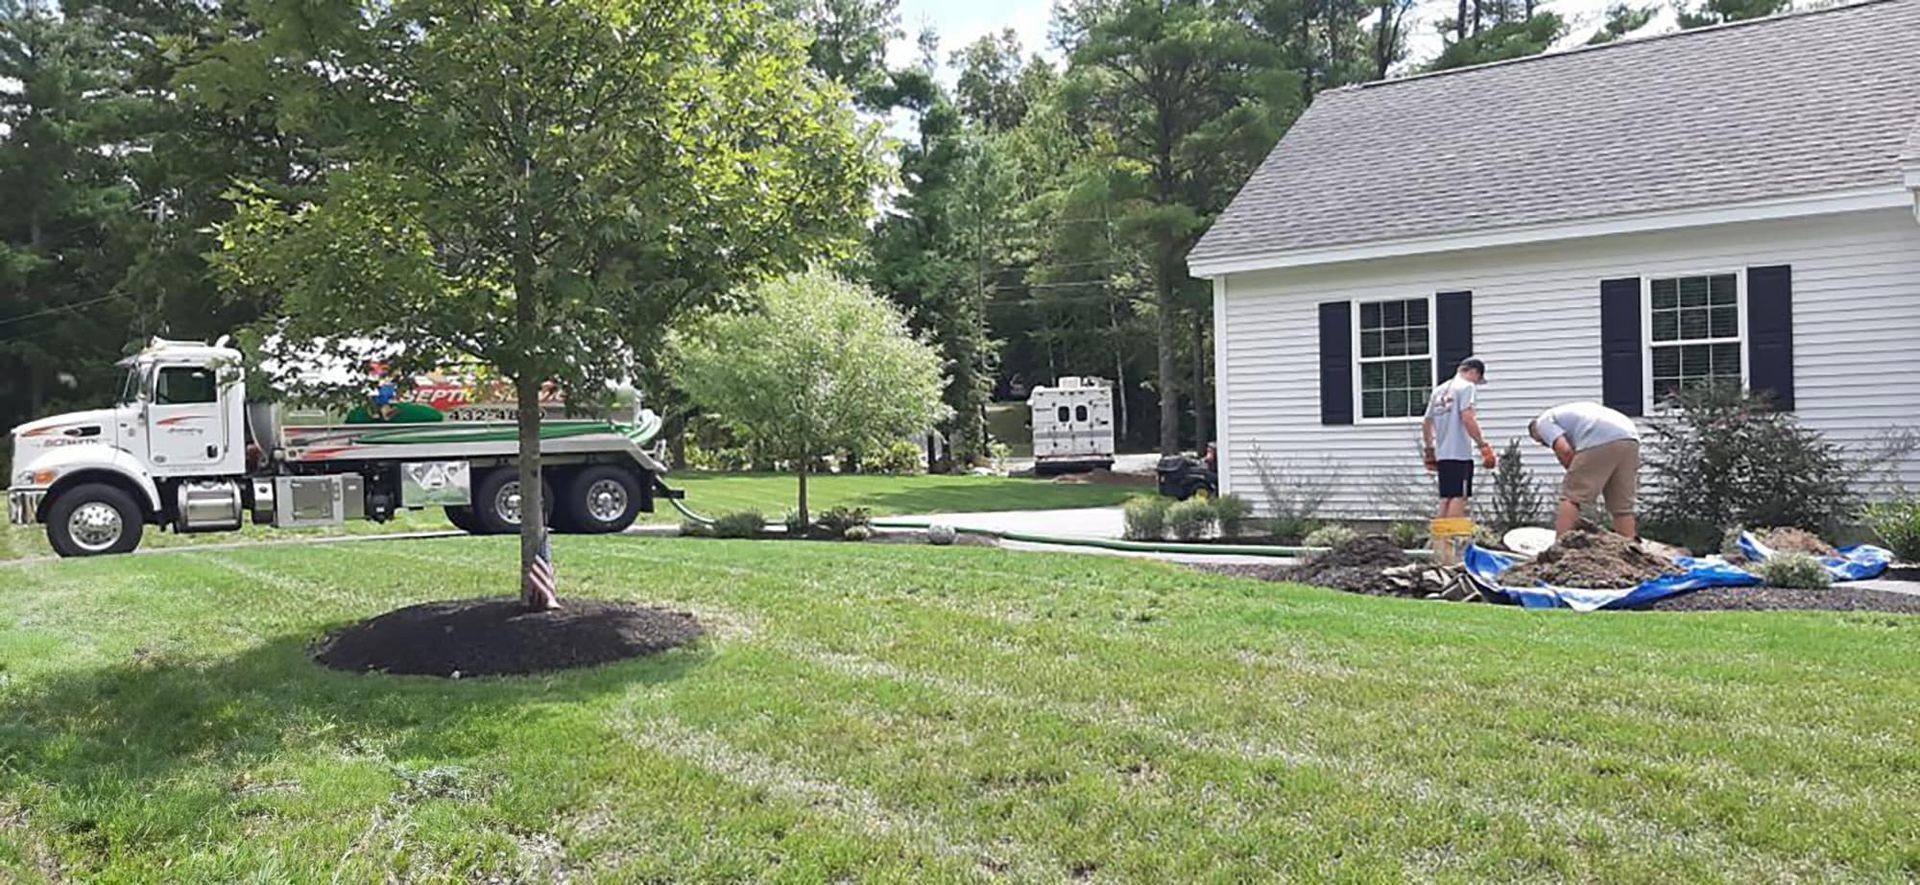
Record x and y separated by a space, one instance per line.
1600 448
1451 435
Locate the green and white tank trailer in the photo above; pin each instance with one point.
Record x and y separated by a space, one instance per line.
181 448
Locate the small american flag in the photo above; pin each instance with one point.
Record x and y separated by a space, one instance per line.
540 581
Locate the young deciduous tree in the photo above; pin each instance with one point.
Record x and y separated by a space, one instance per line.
541 186
817 365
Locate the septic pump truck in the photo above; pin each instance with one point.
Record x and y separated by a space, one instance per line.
181 448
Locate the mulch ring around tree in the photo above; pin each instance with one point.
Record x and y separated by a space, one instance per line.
496 636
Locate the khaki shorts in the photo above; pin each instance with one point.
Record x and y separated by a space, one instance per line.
1611 471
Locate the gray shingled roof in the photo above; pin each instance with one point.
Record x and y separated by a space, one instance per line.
1800 104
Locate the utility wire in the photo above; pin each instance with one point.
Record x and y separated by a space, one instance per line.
57 309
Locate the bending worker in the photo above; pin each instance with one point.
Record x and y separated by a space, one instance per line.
1600 448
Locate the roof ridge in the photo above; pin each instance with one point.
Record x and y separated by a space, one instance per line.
1775 18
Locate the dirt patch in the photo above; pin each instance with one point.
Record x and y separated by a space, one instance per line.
963 539
1591 559
495 636
1357 566
1104 477
1766 599
1790 540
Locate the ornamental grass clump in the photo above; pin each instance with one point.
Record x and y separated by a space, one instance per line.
1191 520
1146 518
1793 571
1330 536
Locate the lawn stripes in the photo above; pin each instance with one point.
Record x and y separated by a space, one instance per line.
854 807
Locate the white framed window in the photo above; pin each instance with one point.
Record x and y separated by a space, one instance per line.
1695 332
1393 359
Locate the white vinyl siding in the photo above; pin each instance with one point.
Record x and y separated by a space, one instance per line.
1856 300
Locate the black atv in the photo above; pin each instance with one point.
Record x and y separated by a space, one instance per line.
1183 476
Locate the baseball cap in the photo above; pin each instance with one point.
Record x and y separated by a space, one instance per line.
1475 364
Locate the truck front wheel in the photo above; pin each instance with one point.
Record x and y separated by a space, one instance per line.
601 500
94 520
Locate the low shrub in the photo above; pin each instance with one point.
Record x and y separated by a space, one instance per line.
1896 524
796 527
1719 456
942 535
743 524
834 523
1486 538
1793 571
1146 518
858 533
1407 535
1192 519
1517 501
1330 536
1231 511
898 457
1296 493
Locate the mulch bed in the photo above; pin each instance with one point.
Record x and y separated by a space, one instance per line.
1839 598
496 637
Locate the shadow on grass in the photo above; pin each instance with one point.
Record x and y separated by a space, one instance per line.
140 753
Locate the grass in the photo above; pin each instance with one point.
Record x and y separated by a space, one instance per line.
878 713
712 494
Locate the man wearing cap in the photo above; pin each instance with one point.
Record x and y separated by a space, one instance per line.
1600 448
1451 435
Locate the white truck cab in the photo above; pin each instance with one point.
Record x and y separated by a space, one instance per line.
182 448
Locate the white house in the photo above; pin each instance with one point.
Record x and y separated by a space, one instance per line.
1602 224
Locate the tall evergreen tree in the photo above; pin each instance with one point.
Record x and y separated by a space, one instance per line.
1192 99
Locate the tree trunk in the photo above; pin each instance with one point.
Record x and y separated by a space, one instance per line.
1460 23
1164 341
676 433
805 464
538 581
1202 412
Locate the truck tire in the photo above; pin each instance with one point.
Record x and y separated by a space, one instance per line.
94 520
496 500
601 500
462 519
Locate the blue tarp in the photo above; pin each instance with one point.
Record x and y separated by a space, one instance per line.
1486 567
1861 562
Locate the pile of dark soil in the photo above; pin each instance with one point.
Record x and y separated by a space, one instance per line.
1765 599
1357 566
1592 559
1791 540
496 636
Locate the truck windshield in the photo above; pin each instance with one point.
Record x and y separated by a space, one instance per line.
131 388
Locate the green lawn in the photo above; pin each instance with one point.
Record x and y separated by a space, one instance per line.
886 713
711 494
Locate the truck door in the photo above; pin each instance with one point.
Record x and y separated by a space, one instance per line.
186 425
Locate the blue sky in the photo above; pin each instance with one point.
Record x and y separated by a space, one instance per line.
960 22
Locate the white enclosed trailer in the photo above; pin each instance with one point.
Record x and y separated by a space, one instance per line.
1072 425
182 448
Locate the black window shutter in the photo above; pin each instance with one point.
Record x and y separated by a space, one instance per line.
1452 332
1336 362
1770 333
1621 381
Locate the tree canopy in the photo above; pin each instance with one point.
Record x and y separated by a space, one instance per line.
542 187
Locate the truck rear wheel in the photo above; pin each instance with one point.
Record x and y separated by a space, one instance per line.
94 520
496 502
601 500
